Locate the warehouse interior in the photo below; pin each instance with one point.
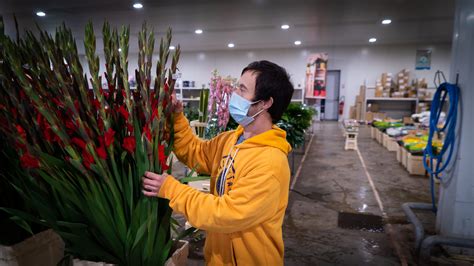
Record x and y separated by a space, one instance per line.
380 127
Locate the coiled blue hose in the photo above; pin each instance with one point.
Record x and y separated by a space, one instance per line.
437 165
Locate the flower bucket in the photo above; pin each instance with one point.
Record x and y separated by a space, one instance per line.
179 257
43 249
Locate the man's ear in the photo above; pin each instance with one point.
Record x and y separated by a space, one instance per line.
268 103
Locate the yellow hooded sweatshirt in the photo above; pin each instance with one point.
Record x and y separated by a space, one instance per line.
244 224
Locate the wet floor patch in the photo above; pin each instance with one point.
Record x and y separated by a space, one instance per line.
360 221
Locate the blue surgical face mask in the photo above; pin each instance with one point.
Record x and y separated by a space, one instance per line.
239 108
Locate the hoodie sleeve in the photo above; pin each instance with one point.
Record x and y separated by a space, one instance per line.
253 199
190 149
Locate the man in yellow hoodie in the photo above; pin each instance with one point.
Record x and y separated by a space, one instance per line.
249 171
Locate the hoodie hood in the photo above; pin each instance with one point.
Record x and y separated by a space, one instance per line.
275 137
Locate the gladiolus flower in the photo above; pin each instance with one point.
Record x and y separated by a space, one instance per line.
28 161
129 144
87 159
162 157
123 112
79 142
147 132
109 137
21 131
101 152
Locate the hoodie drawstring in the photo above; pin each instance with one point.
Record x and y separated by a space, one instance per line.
225 171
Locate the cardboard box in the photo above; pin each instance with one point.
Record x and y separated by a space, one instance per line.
359 99
358 111
362 92
371 116
407 120
378 93
373 107
352 112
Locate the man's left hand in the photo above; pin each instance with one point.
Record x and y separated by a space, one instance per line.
152 183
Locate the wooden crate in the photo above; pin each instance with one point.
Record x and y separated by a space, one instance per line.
43 249
385 138
392 144
404 156
415 164
399 153
373 131
378 136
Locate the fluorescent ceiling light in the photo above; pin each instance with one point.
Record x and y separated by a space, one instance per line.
230 45
137 5
297 42
198 31
372 40
386 21
172 47
285 26
40 14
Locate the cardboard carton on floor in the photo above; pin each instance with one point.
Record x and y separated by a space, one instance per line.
362 92
407 120
352 112
358 111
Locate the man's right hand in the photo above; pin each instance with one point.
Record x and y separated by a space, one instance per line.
177 105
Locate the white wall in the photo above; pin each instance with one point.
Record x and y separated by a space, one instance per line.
358 64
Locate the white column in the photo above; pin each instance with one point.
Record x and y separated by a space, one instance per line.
456 206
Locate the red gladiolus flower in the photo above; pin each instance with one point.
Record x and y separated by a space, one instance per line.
28 161
109 137
21 131
79 142
76 104
123 112
147 132
101 152
100 123
70 127
129 127
162 157
87 159
96 104
129 144
154 113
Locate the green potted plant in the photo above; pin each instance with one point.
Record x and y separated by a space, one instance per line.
84 151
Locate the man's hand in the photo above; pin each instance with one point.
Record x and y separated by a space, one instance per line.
176 105
152 183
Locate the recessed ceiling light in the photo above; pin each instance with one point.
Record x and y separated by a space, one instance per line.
137 5
386 21
231 45
297 42
372 40
40 14
172 47
198 31
285 26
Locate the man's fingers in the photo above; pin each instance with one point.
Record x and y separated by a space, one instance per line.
150 188
150 182
149 194
152 175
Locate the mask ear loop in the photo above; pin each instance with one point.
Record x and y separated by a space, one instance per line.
259 112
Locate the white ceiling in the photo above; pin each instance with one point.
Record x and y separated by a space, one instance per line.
251 24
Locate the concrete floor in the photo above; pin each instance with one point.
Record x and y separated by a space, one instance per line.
333 180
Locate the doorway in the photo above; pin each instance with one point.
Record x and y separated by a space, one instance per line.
331 105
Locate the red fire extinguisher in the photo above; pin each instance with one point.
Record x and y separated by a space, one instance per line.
341 105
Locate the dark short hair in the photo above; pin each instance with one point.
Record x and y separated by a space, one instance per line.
272 81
